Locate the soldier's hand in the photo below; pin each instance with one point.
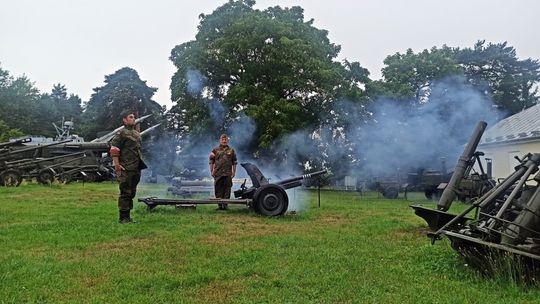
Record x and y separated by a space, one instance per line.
119 170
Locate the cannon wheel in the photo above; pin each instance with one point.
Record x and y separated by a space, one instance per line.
10 178
45 177
270 200
65 178
391 193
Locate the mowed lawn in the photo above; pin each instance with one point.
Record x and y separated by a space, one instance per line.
62 244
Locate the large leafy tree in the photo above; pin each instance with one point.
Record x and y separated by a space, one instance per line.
496 70
122 90
270 65
6 132
56 107
411 76
493 70
19 103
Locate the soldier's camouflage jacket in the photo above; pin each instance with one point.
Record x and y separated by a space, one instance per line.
126 145
223 158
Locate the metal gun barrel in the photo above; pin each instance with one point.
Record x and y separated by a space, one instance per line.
449 193
292 180
86 146
25 162
15 142
11 153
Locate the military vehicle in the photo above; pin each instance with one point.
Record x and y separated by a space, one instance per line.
433 182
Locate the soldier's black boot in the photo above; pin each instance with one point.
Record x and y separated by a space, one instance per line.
124 217
129 217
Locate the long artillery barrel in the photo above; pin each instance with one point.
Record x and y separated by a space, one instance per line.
26 162
95 146
449 193
9 154
297 181
15 142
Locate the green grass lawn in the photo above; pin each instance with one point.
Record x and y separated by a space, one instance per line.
62 244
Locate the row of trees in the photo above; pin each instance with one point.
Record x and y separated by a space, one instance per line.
277 70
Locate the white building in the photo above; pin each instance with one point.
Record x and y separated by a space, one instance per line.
514 136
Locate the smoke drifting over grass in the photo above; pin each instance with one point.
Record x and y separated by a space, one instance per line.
360 140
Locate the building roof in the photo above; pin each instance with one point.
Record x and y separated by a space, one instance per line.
522 126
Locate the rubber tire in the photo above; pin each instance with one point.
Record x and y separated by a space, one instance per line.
45 177
270 200
65 178
10 178
391 193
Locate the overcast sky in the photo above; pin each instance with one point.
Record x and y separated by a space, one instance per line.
78 42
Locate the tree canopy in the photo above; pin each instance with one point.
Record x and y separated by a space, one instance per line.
122 90
492 69
270 65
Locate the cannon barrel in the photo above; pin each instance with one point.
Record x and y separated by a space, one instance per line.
15 142
99 146
10 153
26 162
295 181
449 193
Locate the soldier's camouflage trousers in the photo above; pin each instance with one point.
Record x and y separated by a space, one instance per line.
222 187
128 188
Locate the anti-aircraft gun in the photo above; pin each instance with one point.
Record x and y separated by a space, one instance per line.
18 161
265 198
97 165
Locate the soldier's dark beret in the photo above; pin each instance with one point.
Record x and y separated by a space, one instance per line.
125 113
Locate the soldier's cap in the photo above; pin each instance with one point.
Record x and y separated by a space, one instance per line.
127 112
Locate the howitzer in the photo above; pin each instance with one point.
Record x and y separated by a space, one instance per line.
265 198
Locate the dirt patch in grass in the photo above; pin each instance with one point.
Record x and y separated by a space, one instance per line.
411 231
120 247
221 291
236 228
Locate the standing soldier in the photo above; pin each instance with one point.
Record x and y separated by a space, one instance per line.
128 163
223 168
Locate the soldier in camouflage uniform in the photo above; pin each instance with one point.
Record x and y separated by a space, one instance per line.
128 163
223 168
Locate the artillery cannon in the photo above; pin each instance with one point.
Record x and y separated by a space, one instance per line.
265 198
506 223
17 162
